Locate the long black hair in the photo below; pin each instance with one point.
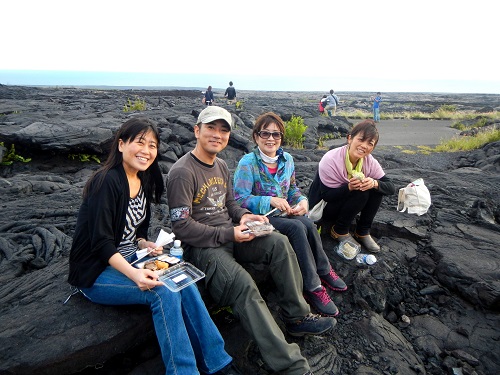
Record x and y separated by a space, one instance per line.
151 178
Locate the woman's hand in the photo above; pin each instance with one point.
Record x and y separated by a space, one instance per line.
145 279
301 208
365 184
281 204
151 246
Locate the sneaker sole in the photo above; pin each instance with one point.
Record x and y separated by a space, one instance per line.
300 334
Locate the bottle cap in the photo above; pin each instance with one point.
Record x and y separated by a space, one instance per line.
177 243
370 259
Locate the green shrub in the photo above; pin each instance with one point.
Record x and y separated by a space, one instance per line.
480 122
469 143
10 156
294 130
136 105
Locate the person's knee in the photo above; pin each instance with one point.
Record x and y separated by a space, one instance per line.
282 246
361 196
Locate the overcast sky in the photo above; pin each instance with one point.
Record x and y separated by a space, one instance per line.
362 41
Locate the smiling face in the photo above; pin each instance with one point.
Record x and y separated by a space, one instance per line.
212 139
139 153
270 145
359 147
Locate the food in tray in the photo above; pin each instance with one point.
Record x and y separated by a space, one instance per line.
259 228
347 249
156 265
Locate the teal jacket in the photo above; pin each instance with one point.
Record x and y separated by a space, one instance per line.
254 185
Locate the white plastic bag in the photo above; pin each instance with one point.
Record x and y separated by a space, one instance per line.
316 213
415 197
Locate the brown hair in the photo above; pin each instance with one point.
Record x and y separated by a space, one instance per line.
368 130
266 119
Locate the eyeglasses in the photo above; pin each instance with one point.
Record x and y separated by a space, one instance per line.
264 134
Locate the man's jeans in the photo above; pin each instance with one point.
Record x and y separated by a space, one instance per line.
187 335
376 114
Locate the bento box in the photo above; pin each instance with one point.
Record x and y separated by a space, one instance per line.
174 273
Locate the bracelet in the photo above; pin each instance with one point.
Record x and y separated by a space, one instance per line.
373 184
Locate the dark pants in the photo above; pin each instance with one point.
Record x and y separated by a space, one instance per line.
230 284
306 242
342 213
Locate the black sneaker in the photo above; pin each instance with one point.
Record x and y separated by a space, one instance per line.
230 369
311 324
321 301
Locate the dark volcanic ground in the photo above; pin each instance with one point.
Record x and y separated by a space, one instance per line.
428 306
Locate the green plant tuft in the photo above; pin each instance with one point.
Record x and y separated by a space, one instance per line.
84 157
294 131
11 156
323 138
136 105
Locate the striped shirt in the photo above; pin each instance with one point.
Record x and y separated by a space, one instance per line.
136 214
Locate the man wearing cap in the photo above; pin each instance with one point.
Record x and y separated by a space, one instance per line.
203 212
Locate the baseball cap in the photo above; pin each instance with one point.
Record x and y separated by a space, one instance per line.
213 113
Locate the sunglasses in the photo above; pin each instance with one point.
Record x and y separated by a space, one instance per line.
265 134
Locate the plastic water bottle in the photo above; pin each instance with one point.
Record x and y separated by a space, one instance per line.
176 250
366 259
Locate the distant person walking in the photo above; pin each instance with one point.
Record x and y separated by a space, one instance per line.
230 93
322 104
332 102
376 106
209 96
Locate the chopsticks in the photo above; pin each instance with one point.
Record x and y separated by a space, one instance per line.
144 256
270 212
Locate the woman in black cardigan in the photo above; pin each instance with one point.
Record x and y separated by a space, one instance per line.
112 225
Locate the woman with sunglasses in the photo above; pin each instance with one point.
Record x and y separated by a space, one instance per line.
265 180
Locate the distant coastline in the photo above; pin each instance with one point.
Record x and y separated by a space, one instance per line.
167 81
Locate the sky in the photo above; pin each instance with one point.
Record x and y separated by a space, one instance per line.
385 45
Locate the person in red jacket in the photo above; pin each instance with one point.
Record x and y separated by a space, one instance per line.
322 104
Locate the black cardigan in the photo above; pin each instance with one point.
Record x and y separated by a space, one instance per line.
99 228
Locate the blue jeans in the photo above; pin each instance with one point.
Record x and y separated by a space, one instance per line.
306 242
187 335
376 114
